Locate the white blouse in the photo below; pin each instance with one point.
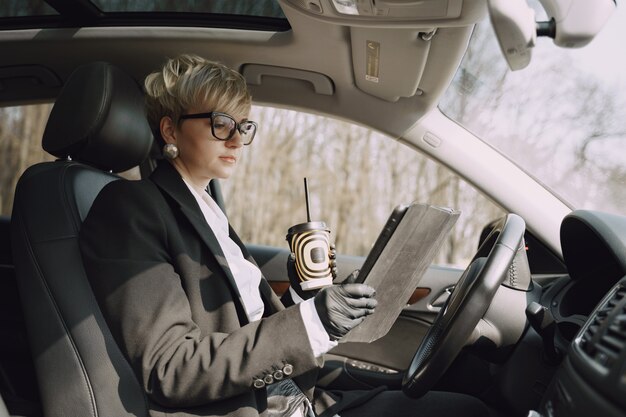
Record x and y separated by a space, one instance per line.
248 277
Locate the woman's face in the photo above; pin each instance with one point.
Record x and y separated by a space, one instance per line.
203 157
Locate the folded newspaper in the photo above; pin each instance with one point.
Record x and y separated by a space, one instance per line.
401 265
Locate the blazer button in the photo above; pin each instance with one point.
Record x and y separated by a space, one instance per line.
278 375
269 379
288 369
258 383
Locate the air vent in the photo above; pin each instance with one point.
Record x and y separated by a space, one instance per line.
605 337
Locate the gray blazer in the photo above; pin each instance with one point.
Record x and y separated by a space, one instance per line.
165 289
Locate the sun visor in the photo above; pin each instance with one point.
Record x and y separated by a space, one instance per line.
396 45
389 63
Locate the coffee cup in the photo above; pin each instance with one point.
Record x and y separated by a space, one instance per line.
310 242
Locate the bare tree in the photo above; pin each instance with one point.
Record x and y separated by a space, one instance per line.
21 130
356 177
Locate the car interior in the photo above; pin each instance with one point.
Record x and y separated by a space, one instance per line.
534 325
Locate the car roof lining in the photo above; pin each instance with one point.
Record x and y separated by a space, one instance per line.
327 58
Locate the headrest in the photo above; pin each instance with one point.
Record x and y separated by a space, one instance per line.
99 119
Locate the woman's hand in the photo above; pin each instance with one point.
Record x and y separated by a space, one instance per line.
295 280
343 307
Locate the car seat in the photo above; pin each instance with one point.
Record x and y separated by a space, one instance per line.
97 127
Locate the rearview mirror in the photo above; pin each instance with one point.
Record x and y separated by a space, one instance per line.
572 24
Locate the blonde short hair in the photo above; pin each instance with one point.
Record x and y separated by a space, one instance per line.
190 81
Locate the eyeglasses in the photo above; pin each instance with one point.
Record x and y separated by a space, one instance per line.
224 126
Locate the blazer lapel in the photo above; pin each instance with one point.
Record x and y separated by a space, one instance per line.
270 300
170 181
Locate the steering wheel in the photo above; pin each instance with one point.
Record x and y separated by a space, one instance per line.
465 307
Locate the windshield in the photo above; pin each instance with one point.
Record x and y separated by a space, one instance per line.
562 119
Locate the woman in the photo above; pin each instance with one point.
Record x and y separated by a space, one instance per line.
188 306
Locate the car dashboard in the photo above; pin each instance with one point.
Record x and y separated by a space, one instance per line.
589 309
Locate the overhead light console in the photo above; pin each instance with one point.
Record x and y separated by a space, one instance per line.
407 13
427 9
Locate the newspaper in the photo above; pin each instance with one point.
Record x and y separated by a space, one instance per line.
401 265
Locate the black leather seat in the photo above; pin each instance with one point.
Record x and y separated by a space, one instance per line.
97 126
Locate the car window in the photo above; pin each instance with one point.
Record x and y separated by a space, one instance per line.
26 8
356 176
21 130
247 14
259 8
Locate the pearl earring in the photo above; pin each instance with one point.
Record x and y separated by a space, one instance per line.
170 151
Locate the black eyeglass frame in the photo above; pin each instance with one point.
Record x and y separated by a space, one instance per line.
210 115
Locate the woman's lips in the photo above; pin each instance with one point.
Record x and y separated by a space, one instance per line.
229 159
